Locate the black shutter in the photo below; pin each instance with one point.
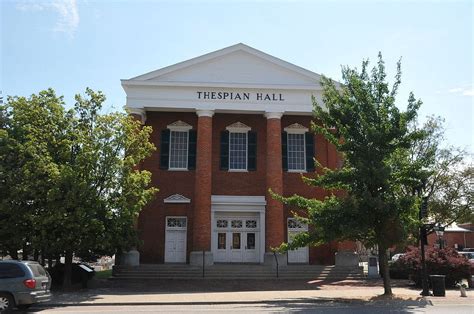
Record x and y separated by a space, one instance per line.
284 151
309 139
252 151
225 150
165 149
192 149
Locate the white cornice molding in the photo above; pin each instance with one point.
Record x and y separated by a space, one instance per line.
238 127
138 111
177 199
296 128
205 113
179 126
238 200
315 87
273 115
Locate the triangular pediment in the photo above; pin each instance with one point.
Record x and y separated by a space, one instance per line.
238 64
177 198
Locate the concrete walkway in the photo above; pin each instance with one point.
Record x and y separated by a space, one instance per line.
232 292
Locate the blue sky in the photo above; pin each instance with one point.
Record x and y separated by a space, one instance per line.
69 45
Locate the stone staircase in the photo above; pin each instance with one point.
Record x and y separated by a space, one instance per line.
236 271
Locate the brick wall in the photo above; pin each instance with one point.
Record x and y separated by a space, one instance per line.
465 239
151 222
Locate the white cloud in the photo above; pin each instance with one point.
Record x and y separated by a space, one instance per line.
466 90
68 14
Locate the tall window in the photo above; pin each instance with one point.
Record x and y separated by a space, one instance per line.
296 152
237 151
178 150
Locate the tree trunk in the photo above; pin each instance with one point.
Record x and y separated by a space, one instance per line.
35 255
385 271
67 283
118 257
24 254
13 252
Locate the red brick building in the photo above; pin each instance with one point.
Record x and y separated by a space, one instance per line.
229 126
455 236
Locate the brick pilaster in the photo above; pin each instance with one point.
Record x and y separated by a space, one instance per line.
274 181
202 192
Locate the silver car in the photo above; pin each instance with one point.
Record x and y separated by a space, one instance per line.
23 283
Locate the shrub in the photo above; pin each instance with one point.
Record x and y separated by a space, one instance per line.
438 262
398 270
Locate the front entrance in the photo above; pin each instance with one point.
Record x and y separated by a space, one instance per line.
237 240
175 240
299 255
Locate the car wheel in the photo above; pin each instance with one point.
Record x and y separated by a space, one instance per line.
6 302
23 306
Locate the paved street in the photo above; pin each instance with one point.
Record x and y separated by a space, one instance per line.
297 307
263 296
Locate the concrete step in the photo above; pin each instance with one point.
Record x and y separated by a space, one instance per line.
234 272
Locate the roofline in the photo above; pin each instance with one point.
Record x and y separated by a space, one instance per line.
223 52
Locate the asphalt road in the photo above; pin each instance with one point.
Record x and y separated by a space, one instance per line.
331 308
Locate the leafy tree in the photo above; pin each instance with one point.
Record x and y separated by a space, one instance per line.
83 188
373 136
449 181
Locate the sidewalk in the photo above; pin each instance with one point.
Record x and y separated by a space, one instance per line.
212 292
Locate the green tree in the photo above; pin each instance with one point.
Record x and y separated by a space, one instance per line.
85 187
449 184
373 136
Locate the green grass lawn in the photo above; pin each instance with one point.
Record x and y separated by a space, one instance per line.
104 274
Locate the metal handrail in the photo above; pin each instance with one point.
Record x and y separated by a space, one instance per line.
276 260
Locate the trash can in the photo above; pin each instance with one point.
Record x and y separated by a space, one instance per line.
438 284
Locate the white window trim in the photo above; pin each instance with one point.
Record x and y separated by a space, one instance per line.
179 126
176 228
239 127
304 151
296 128
246 153
304 227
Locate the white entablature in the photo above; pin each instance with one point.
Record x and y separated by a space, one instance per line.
236 79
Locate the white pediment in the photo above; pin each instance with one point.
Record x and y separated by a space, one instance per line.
238 64
177 198
236 79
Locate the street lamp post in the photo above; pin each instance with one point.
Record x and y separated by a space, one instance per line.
423 239
439 232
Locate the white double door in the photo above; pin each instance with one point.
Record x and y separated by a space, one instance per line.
238 247
175 246
236 239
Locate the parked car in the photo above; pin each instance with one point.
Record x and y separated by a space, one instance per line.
397 256
468 255
23 283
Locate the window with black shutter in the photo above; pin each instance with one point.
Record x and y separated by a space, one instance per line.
224 162
165 149
309 139
284 151
192 149
252 151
